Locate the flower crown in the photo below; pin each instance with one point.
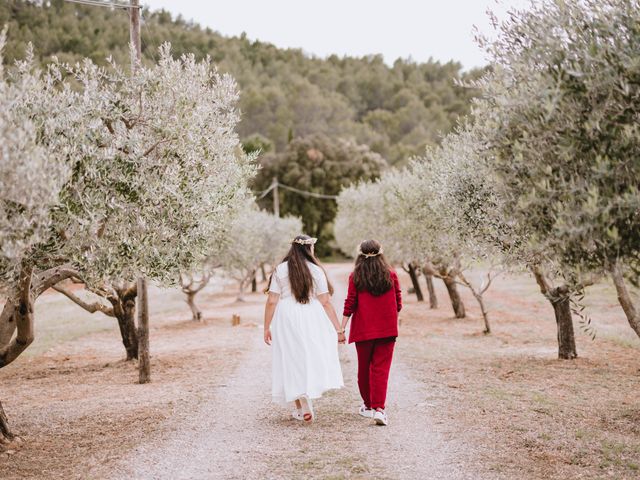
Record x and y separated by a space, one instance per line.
369 255
307 241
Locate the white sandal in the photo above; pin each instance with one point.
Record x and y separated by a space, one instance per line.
307 409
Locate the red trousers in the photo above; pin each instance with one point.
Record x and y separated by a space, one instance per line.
374 362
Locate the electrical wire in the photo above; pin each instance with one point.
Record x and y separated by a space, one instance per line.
308 194
98 3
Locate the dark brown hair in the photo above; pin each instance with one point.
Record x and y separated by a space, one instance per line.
300 276
373 273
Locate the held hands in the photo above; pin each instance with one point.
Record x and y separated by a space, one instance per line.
267 337
342 337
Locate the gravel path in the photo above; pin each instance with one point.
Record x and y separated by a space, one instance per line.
235 432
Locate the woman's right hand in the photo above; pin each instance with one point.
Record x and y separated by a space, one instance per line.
342 338
267 337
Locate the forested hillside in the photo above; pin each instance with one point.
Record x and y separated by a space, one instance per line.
285 93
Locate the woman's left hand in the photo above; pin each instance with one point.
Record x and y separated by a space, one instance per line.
342 338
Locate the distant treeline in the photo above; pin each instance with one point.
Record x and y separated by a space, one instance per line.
285 93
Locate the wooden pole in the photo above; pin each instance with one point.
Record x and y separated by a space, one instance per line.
144 362
134 34
276 197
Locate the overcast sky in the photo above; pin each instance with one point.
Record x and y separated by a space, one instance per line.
442 29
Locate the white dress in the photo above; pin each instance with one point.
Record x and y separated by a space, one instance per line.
304 341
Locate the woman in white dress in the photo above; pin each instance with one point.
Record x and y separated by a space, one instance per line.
303 328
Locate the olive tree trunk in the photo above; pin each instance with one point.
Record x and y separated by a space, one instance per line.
433 299
5 431
413 274
17 314
264 273
196 313
624 298
478 293
17 319
560 300
191 286
123 306
452 289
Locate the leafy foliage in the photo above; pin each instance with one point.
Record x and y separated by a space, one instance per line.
320 165
144 173
256 237
560 118
285 94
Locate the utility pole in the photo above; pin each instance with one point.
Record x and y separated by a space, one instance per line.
144 358
276 197
134 34
144 361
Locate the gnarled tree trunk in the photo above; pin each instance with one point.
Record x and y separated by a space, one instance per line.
17 313
17 317
413 274
624 298
452 289
433 299
124 309
5 431
560 300
196 314
191 286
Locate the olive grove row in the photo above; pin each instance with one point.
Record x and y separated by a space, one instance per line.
543 175
106 177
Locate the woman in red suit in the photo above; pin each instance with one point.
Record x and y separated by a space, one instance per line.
373 302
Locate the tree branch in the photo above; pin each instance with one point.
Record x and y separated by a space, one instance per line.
541 280
154 146
89 307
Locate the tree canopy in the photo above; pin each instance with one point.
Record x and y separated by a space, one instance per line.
397 110
322 166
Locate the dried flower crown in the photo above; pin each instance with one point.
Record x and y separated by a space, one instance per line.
369 255
305 241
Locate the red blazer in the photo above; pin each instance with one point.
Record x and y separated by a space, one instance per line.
373 317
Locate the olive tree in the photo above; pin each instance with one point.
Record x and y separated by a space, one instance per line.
255 237
141 174
560 117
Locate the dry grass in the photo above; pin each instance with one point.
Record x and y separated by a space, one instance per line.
531 415
77 406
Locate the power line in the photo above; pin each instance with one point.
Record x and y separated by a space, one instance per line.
264 193
98 3
309 194
301 192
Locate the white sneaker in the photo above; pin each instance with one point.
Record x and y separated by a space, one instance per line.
365 412
380 417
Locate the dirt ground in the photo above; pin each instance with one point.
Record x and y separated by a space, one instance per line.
461 404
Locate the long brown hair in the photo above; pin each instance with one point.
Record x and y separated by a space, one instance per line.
300 276
372 272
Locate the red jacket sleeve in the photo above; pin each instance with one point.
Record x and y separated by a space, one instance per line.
398 290
351 302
